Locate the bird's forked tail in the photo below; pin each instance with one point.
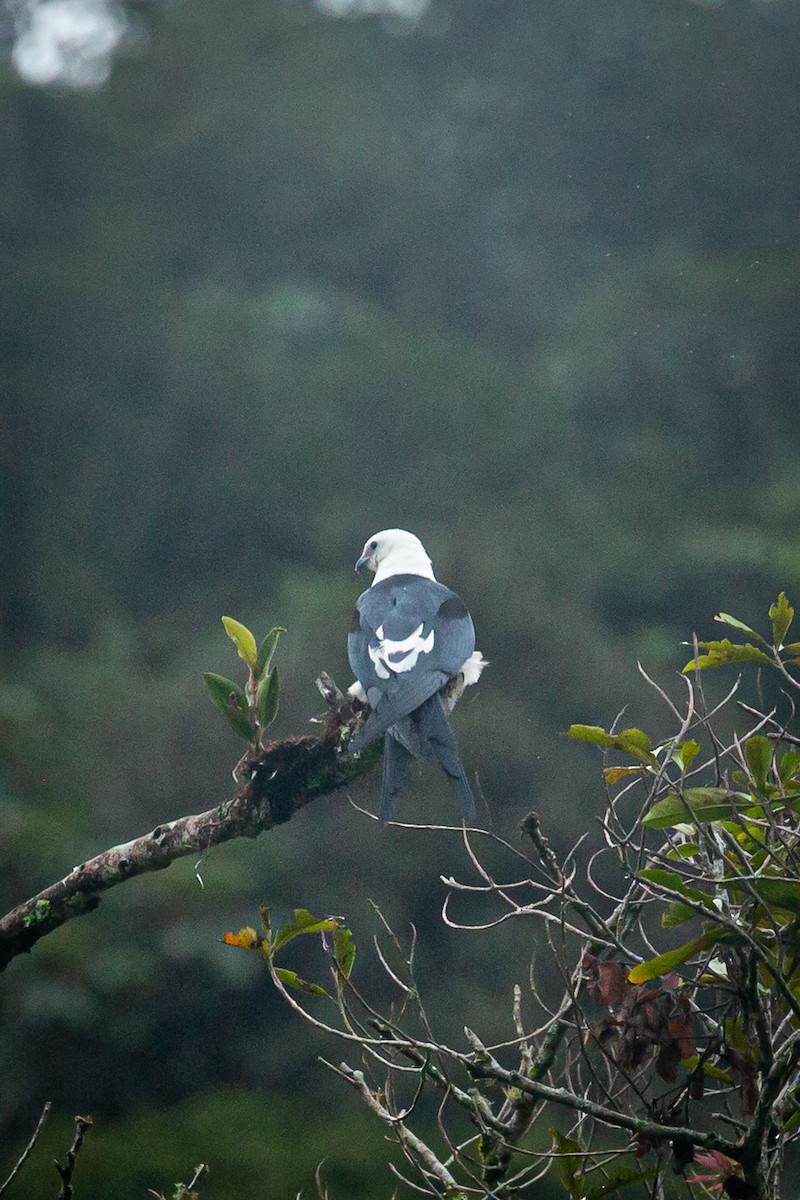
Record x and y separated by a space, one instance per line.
440 742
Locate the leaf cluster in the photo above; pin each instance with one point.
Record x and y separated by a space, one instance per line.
252 709
757 648
270 941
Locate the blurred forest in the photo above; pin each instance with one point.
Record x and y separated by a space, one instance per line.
522 277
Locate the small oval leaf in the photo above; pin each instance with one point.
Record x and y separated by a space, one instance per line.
633 740
304 922
677 914
702 804
267 698
613 775
242 639
688 753
758 752
344 951
727 619
266 650
664 963
293 980
228 696
788 766
591 733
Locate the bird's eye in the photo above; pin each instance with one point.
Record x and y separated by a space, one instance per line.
373 545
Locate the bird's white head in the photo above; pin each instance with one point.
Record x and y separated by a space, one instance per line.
395 552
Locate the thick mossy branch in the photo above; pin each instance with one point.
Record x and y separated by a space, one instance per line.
279 780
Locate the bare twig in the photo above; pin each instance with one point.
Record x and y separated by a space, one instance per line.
34 1137
66 1172
419 1150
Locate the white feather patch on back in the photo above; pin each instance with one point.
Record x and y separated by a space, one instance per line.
400 656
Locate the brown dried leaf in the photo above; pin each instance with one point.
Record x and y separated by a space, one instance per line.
667 1062
683 1035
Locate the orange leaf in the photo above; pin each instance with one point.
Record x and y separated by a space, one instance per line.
247 939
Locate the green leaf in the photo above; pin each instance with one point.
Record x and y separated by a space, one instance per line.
344 951
781 614
630 741
677 914
788 766
758 752
659 875
292 979
303 922
777 893
664 963
713 1072
688 753
724 653
242 639
267 697
792 1123
570 1162
727 619
675 882
228 696
613 775
702 804
633 740
266 650
590 733
684 850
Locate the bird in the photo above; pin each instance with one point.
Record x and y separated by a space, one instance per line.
411 648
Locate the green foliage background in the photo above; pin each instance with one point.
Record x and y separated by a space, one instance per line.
520 277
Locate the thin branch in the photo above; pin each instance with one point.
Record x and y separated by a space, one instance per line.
200 1172
423 1152
66 1172
29 1147
483 1064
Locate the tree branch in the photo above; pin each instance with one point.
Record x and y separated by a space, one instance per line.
429 1160
279 780
485 1065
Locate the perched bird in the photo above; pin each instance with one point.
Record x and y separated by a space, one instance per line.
412 649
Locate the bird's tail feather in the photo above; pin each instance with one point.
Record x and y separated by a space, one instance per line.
395 705
396 761
408 733
436 733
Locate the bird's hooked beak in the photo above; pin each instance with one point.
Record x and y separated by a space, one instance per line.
363 562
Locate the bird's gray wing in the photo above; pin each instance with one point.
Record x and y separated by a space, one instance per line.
393 706
408 637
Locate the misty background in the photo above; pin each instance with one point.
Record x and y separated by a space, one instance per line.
521 277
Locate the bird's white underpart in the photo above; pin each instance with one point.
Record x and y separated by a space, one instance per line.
469 674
